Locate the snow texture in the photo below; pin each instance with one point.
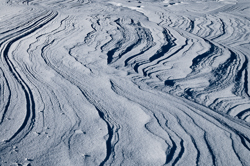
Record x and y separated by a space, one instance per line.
132 83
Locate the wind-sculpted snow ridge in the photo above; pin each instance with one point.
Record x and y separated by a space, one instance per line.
149 82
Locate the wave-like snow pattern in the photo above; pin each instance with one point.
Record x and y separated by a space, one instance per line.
149 82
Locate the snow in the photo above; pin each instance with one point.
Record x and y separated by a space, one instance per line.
99 82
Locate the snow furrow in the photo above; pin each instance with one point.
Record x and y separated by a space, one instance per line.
149 82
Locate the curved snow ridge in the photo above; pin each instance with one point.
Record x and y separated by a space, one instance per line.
22 86
185 63
89 82
190 128
196 58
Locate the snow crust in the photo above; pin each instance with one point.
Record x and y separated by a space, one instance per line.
133 83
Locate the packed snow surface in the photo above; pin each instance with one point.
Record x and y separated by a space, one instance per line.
132 83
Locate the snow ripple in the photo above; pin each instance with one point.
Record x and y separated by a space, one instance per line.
89 82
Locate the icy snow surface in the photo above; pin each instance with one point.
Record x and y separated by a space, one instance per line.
133 83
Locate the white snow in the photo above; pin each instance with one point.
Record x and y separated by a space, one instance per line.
99 82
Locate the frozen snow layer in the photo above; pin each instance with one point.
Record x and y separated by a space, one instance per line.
150 82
